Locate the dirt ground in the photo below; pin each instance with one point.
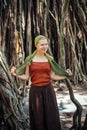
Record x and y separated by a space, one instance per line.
65 105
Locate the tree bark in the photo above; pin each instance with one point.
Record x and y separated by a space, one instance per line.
13 117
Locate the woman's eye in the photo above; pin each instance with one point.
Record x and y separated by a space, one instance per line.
42 44
45 44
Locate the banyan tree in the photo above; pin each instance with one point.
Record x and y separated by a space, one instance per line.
64 22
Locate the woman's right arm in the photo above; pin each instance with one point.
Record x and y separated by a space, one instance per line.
24 76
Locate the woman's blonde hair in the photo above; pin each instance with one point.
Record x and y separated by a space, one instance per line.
37 38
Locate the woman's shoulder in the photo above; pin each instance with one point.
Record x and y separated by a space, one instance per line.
30 57
49 56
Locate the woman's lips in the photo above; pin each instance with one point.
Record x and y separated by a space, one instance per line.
43 49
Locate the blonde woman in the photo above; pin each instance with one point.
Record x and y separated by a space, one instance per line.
41 69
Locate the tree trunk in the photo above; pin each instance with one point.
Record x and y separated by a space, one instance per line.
12 117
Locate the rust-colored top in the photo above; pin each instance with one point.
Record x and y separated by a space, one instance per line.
40 73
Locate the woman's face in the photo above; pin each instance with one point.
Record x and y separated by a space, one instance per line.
42 45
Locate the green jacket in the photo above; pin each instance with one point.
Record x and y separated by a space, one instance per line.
56 68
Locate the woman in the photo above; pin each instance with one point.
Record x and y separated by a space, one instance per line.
42 69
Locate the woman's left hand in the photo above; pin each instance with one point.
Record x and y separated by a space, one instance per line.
69 72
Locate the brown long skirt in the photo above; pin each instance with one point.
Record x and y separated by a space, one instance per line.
43 109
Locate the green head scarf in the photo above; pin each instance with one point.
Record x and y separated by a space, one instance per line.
37 38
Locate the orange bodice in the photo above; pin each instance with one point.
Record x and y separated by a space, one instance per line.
40 73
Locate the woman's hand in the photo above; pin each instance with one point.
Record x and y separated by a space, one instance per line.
13 71
24 76
69 72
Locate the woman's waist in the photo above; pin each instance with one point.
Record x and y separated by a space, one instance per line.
40 81
43 84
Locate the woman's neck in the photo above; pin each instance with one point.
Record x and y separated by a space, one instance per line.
40 57
40 54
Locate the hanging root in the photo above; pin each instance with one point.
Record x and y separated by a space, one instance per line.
78 112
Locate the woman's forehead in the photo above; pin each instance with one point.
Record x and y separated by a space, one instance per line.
43 41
